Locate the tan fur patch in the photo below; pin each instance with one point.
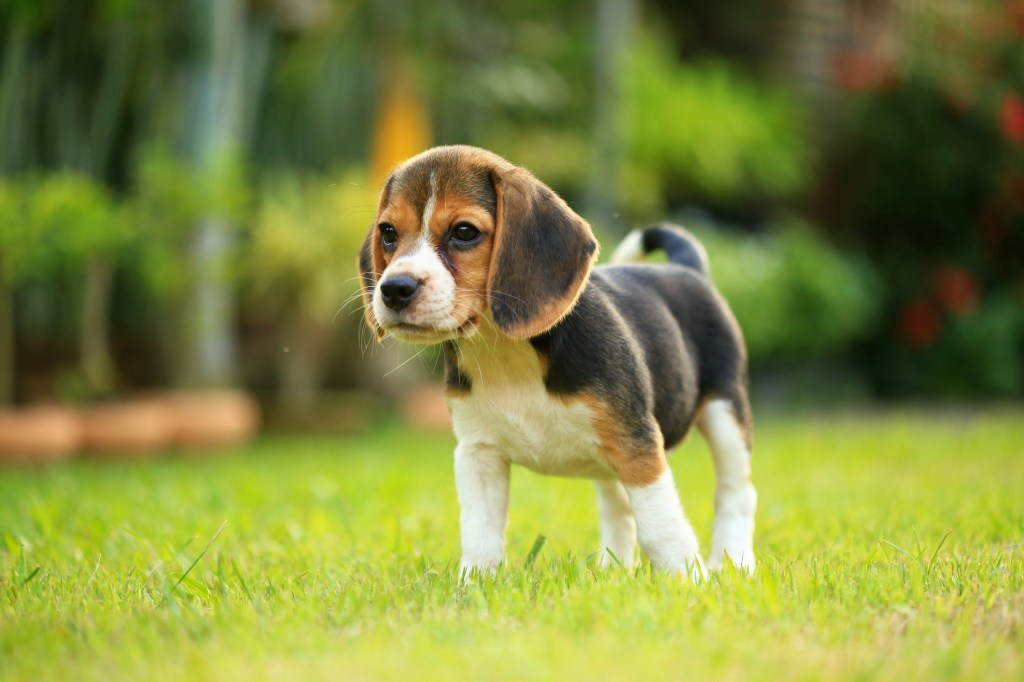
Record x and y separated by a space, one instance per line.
636 462
402 216
453 208
469 267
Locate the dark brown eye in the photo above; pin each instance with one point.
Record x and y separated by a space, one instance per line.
464 232
388 235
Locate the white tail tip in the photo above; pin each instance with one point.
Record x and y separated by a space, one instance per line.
630 249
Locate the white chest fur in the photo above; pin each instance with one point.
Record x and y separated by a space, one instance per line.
509 410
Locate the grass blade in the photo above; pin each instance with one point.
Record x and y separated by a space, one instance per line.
30 577
538 544
615 558
905 552
935 554
194 562
244 585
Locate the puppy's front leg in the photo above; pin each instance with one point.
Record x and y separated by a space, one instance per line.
663 531
481 479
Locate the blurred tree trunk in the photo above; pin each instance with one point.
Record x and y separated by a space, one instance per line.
109 106
613 32
301 369
95 361
6 338
13 100
214 130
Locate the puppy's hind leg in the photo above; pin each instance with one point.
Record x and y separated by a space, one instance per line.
735 496
637 456
618 528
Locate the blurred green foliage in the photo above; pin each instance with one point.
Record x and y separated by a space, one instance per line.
60 232
19 246
299 273
976 353
169 198
930 183
299 261
707 133
796 297
51 224
75 219
112 89
103 160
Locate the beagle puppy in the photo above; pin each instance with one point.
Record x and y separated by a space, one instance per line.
560 367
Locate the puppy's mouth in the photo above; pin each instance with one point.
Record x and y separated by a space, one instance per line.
428 334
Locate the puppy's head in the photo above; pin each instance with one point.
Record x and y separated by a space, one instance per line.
461 234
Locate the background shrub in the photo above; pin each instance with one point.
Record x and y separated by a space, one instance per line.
706 133
796 297
930 184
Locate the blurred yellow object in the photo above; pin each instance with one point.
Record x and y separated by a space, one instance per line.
402 125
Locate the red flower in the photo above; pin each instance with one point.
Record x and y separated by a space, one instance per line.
956 290
919 323
1011 118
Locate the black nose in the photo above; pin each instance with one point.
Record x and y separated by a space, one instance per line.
398 291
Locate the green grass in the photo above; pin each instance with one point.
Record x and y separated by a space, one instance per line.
889 548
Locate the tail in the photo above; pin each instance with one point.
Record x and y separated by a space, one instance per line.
679 245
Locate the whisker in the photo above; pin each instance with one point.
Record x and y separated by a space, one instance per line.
433 367
347 302
406 362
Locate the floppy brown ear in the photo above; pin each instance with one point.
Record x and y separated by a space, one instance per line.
543 254
371 265
368 276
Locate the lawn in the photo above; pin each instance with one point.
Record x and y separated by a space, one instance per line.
890 547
